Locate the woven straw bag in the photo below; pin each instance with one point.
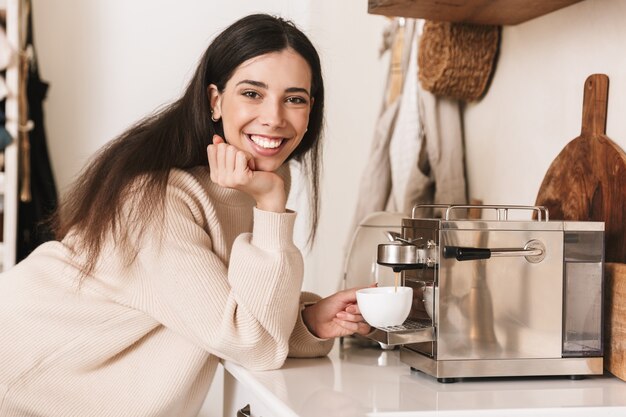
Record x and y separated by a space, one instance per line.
457 59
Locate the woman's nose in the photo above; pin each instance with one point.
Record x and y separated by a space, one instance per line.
272 114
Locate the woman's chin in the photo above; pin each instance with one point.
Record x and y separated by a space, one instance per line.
267 166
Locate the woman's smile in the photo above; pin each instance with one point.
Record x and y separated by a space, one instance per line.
266 142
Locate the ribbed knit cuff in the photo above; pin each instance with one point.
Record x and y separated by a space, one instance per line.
273 231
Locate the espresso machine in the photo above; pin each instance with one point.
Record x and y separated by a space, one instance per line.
498 297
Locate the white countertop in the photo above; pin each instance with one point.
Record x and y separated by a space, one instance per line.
357 381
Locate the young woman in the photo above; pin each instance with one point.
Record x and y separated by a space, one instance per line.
175 247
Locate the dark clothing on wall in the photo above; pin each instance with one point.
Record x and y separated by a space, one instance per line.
31 215
32 229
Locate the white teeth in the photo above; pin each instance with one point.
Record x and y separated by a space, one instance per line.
265 142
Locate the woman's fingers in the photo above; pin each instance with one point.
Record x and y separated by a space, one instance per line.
234 168
229 159
221 160
353 309
348 325
352 321
343 315
229 166
363 329
241 163
212 156
352 327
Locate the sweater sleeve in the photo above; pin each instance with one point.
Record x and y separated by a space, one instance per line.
303 343
244 312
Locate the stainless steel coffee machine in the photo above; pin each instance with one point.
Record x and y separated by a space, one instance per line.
498 297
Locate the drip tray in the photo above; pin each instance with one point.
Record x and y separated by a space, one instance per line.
409 332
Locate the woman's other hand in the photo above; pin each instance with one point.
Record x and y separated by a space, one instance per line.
233 168
336 315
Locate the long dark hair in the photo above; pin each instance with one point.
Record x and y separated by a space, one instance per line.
177 137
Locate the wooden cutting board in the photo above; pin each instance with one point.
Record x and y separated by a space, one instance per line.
587 180
615 319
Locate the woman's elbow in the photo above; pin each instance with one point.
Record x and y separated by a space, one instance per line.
274 359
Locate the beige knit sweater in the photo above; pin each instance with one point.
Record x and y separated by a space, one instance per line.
216 279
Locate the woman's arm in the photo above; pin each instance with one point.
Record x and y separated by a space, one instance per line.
243 311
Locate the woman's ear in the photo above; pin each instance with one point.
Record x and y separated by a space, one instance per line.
215 100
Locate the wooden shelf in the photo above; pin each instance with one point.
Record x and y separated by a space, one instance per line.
485 12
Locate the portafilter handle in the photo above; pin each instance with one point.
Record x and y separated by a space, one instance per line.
534 251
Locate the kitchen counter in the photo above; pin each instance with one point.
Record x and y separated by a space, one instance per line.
356 380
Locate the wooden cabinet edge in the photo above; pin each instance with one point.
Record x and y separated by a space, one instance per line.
485 12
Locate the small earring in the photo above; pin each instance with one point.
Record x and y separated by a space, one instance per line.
213 118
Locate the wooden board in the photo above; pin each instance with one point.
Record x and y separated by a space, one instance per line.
615 320
587 180
484 12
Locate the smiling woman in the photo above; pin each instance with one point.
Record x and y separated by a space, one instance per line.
176 249
264 110
266 106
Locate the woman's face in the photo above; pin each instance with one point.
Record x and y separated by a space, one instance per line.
265 106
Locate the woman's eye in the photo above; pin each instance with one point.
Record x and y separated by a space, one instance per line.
251 94
296 100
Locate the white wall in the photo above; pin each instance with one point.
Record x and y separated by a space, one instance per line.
534 105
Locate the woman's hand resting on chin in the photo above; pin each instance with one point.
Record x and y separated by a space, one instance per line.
233 168
336 315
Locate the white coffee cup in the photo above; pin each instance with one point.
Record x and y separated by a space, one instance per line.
385 306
